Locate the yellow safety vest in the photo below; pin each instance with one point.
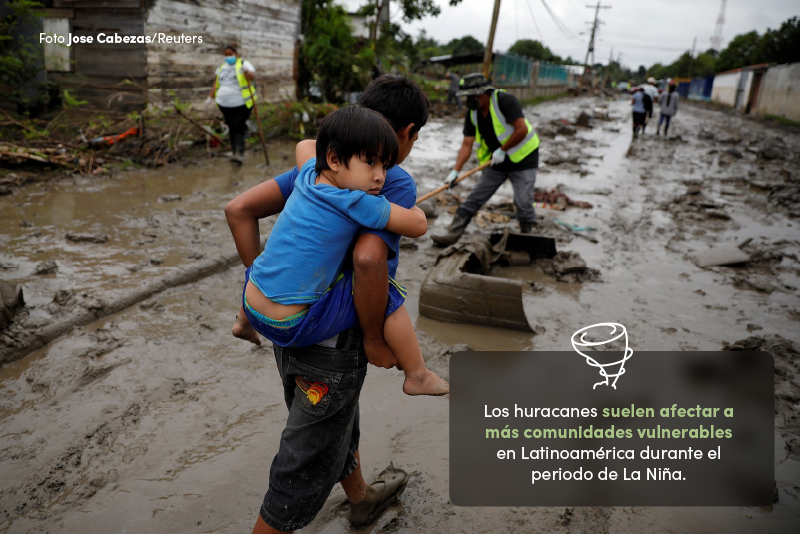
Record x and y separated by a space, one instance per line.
248 97
503 131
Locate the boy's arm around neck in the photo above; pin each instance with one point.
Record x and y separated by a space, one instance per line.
407 222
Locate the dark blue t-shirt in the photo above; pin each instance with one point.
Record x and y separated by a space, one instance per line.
399 188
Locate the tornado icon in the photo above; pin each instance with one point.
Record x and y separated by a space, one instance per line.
617 332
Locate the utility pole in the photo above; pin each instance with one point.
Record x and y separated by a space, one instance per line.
716 41
691 56
605 74
487 55
595 24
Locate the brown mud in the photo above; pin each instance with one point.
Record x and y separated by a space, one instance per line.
153 418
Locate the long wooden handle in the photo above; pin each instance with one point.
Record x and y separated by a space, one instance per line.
439 189
258 121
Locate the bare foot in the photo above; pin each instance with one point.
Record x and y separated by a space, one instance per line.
243 330
427 383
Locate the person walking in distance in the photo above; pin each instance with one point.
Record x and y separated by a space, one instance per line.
506 138
639 110
669 108
235 95
455 78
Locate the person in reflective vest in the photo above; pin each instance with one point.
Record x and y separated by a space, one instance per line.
506 138
235 94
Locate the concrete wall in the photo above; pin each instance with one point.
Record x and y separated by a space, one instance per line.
780 92
265 30
725 86
527 93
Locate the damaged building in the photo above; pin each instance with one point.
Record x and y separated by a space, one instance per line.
172 47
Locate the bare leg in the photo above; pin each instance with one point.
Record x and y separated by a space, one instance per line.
262 528
243 330
399 334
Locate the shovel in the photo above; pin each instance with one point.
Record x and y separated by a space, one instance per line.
439 189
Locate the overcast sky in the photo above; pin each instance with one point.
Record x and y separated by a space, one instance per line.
644 31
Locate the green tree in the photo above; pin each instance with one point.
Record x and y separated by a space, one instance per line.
743 50
411 10
657 71
782 45
21 60
533 49
704 65
464 45
330 55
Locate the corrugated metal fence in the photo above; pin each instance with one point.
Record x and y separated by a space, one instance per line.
514 70
511 69
527 78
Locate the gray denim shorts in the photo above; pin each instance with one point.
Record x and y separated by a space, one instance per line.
321 386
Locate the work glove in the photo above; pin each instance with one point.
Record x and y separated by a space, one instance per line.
451 178
498 156
209 102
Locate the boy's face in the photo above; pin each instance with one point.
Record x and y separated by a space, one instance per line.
362 174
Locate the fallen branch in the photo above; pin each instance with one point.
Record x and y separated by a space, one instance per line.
39 134
197 124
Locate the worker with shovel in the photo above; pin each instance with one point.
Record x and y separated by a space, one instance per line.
507 140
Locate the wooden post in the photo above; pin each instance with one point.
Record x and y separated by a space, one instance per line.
258 122
487 55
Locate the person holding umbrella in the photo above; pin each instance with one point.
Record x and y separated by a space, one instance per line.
506 139
235 96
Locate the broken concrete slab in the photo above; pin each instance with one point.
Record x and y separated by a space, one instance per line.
458 289
721 256
46 267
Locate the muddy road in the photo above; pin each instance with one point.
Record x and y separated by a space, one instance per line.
141 414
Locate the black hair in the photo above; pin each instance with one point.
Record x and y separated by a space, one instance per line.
400 100
355 131
230 47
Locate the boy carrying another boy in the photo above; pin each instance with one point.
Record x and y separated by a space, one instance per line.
328 433
296 293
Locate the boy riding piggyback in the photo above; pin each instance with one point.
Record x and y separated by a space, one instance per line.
297 292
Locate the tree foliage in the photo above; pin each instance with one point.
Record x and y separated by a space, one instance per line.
330 55
464 45
781 45
20 58
533 49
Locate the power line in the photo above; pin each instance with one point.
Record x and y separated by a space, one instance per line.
538 32
561 26
637 45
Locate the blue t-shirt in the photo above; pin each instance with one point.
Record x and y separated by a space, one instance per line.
308 244
399 188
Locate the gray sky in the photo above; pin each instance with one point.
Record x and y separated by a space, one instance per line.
644 31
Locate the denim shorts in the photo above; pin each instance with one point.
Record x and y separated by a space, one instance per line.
319 442
334 312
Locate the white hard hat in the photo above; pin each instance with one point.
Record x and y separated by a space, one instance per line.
651 80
